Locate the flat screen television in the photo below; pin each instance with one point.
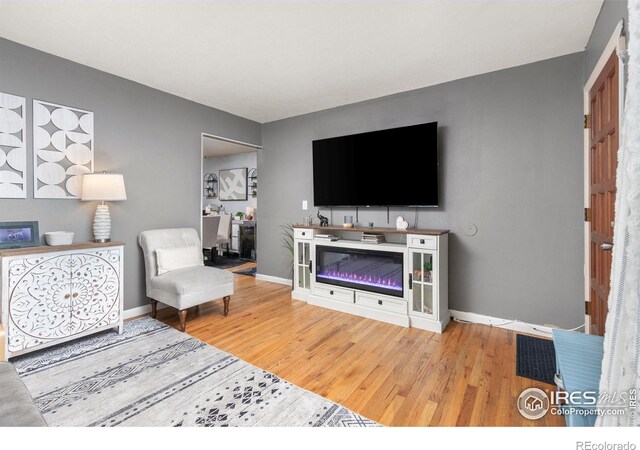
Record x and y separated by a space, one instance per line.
394 167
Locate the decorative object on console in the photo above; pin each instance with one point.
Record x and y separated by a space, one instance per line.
210 185
62 149
233 184
252 176
13 153
327 237
370 224
19 234
308 220
104 187
250 213
401 224
55 238
324 222
239 215
348 222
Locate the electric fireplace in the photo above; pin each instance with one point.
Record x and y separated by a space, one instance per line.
369 270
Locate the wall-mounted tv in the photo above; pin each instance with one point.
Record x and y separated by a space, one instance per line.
394 167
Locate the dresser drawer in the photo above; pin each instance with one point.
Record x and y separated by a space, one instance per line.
382 303
332 293
303 233
422 241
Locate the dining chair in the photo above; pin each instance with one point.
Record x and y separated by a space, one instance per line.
224 231
210 226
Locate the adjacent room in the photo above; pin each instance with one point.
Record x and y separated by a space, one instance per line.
319 214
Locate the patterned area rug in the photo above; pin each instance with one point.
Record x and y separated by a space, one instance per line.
154 375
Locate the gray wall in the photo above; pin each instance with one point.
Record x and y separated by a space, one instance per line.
151 137
214 164
610 14
510 161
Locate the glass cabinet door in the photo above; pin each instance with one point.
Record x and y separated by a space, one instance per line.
422 269
302 265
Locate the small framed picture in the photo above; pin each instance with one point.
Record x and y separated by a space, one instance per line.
233 184
19 234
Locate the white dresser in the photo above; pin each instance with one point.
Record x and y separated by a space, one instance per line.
54 294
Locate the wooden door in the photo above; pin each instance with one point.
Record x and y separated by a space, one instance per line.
603 145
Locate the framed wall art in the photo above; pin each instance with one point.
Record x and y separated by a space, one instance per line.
62 150
233 184
13 147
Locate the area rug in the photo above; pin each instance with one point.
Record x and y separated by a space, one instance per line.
535 358
251 272
154 375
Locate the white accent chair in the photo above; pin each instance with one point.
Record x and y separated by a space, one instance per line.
224 231
186 287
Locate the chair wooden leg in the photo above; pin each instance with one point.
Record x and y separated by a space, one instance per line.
183 319
154 308
226 305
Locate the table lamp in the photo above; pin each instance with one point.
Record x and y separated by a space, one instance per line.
103 187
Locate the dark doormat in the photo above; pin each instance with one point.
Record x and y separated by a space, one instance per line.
535 358
251 272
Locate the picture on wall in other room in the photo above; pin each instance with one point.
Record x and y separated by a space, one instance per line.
233 184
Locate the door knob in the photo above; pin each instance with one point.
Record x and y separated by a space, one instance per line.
606 246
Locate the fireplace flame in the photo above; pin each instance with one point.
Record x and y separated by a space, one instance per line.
367 280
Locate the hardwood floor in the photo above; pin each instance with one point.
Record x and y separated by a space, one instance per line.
394 375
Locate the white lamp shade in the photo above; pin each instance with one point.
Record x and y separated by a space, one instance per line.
103 187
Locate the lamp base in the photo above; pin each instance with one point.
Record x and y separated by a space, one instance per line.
102 224
101 241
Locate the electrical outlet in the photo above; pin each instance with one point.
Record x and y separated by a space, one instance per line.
305 205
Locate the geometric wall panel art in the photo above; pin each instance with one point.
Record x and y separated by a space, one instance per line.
62 149
13 147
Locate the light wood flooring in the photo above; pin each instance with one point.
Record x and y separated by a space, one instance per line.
394 375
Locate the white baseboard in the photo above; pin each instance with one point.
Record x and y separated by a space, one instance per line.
515 325
272 279
140 311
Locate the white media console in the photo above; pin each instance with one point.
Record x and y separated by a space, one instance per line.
403 282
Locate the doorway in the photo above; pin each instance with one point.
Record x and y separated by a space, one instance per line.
229 203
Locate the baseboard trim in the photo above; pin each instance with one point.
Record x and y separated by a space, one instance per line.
140 311
515 325
272 279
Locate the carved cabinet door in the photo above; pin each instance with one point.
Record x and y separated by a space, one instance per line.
95 290
39 301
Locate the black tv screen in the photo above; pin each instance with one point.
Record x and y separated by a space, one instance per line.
395 167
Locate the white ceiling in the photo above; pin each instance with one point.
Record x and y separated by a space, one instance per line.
268 60
218 147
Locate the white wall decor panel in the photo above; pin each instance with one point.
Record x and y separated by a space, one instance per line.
13 147
62 149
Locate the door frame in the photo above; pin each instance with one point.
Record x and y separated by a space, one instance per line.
617 44
220 138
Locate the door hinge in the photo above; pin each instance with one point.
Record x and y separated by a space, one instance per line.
586 308
587 121
587 214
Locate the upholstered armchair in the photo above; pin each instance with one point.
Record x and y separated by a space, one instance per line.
176 275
